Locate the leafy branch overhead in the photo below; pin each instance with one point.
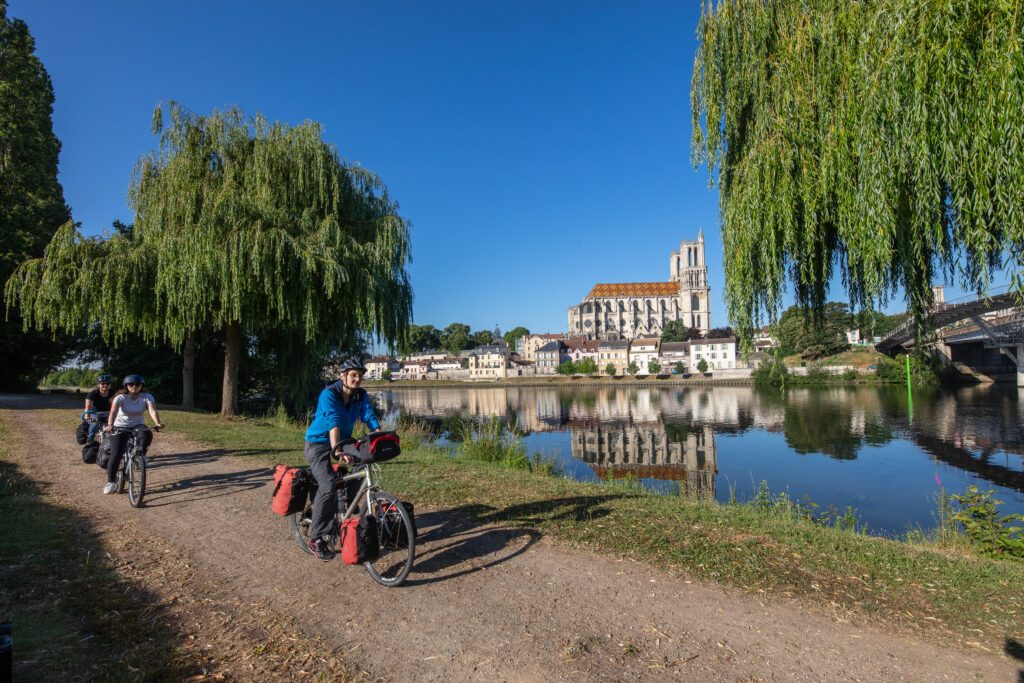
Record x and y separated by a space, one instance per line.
880 138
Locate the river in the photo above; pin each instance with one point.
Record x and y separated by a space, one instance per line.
869 448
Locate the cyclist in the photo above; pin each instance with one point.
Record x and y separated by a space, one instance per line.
340 405
127 414
97 401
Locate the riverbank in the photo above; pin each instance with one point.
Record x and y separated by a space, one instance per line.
936 588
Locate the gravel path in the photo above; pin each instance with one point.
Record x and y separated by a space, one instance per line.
483 602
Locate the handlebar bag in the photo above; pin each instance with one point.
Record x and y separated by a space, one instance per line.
383 446
290 490
82 432
359 540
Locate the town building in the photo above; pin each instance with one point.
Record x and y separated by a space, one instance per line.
550 356
629 310
720 354
579 348
489 362
414 370
642 351
615 352
378 365
528 344
672 353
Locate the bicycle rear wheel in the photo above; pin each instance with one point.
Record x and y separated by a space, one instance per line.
137 480
302 522
397 540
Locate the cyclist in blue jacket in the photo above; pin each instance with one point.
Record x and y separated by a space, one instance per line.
340 405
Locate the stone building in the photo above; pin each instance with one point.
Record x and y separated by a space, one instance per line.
629 310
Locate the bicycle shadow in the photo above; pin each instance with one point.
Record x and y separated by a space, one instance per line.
207 486
1015 649
160 460
465 535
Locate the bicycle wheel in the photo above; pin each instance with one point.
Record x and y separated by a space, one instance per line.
302 522
137 480
397 540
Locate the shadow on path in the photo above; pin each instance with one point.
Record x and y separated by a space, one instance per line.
204 486
1015 649
457 536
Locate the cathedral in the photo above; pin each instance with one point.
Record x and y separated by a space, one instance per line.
625 311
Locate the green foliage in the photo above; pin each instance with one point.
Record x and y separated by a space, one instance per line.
492 441
880 137
678 331
702 366
813 334
771 373
632 368
680 368
31 199
513 335
587 366
720 333
421 338
994 535
386 375
609 369
254 228
455 338
923 370
71 377
654 366
566 368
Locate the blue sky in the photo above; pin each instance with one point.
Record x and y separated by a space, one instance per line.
537 147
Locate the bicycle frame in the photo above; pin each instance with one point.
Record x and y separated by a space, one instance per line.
364 489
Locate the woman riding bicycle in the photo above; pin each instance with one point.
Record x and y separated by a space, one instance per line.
340 405
97 401
127 414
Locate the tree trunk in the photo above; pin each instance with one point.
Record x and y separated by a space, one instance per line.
232 354
188 372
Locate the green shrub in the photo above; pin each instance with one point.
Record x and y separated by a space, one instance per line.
772 373
994 536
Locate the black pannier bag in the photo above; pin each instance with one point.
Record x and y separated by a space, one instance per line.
103 452
82 432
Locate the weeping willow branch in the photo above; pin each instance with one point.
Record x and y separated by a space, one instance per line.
885 139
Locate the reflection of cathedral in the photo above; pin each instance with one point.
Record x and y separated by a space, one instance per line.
650 451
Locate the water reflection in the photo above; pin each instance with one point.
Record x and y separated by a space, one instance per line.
687 439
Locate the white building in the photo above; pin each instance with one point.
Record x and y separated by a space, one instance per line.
414 370
642 351
720 354
489 362
671 353
376 366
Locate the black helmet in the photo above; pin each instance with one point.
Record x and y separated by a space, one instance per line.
132 379
352 364
104 379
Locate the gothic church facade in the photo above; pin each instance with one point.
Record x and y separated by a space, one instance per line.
625 311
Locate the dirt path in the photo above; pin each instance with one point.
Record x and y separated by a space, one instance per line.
483 602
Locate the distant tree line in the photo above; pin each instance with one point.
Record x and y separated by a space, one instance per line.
456 337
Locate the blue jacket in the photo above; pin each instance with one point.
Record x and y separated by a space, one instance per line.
331 412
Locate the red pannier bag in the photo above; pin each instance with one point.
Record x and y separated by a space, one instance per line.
383 446
291 489
359 541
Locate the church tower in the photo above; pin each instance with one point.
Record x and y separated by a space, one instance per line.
688 268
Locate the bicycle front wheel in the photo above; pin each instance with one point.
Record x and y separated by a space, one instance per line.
397 540
137 480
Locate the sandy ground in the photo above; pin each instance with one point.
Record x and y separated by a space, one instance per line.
483 602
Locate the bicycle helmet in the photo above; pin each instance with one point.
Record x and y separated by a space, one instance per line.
132 379
352 364
104 379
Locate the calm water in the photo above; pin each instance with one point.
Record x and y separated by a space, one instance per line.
860 447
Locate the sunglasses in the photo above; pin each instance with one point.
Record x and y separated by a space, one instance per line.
104 384
133 384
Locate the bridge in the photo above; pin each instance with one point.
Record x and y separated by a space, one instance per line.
1005 333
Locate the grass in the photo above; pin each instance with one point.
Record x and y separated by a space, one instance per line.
929 586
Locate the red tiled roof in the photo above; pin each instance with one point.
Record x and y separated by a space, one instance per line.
634 289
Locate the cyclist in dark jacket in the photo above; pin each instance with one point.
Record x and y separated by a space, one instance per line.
339 407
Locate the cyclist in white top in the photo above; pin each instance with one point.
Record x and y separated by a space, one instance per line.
127 414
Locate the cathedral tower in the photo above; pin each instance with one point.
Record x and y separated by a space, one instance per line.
688 267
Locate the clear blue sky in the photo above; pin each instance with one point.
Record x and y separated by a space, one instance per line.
537 147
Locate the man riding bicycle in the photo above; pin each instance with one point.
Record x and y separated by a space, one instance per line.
340 405
97 401
127 414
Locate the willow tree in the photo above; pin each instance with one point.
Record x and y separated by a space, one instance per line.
256 230
880 138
